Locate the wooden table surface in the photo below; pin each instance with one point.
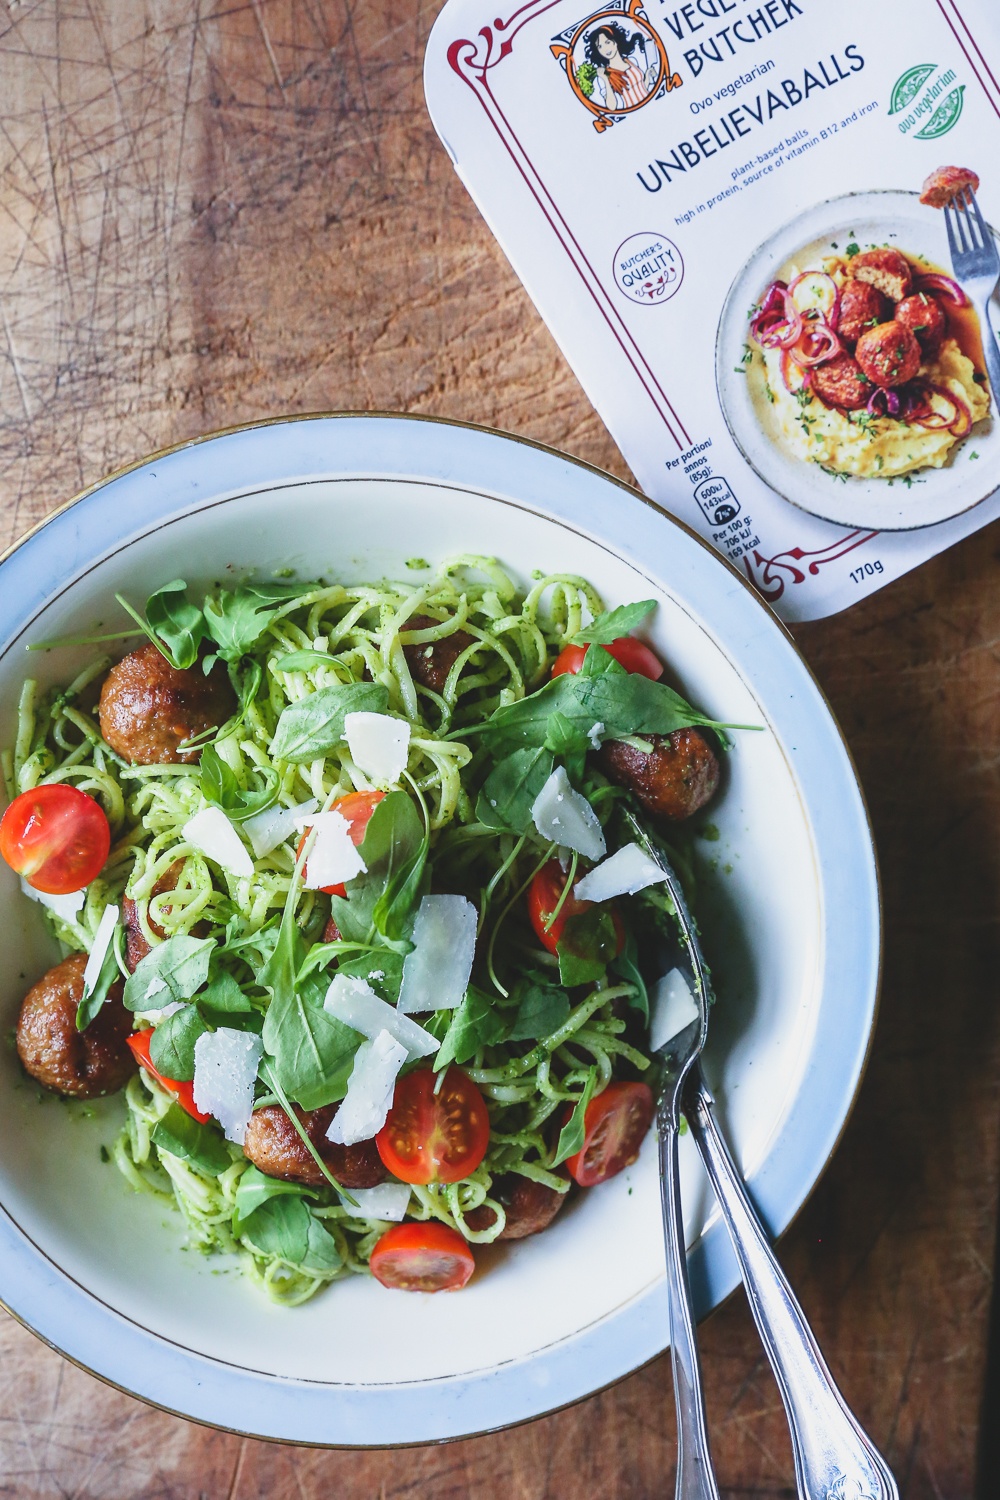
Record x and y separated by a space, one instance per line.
211 213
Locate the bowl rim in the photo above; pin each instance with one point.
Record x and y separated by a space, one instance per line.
383 469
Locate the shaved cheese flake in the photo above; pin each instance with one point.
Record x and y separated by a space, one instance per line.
436 974
565 817
389 1201
369 1091
353 1001
63 907
673 1008
213 834
225 1067
102 942
333 859
594 734
267 829
628 870
378 744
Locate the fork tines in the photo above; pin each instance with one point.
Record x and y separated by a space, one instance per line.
967 232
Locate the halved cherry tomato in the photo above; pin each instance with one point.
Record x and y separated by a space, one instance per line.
543 898
182 1091
626 650
614 1125
56 837
434 1137
357 808
422 1258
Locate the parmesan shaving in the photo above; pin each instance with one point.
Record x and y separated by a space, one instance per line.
211 832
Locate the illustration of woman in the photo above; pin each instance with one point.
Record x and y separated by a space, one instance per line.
620 80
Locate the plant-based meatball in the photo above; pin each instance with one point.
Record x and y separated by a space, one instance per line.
841 382
673 780
530 1207
276 1148
885 269
861 306
945 182
430 662
924 316
889 354
148 708
79 1064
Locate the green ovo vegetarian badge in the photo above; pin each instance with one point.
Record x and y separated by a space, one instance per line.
924 102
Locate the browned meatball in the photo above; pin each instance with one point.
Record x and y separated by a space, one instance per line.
889 354
80 1064
943 184
276 1148
861 306
431 662
924 316
679 775
841 382
530 1207
148 707
885 269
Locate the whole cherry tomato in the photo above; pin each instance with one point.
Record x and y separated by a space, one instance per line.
357 808
543 898
433 1136
626 650
427 1257
614 1125
56 837
182 1091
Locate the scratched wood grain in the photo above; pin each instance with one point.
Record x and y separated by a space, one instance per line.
216 212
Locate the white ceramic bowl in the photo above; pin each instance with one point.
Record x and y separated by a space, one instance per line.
790 919
934 495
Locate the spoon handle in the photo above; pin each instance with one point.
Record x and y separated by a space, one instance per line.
695 1475
834 1459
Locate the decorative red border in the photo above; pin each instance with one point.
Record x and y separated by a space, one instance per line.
768 579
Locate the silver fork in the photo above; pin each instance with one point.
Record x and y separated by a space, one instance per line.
834 1458
976 264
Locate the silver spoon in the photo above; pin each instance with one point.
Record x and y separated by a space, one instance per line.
834 1458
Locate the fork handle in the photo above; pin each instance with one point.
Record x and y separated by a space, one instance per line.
991 353
834 1459
695 1475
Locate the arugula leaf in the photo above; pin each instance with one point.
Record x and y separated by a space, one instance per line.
627 965
626 703
188 1139
174 970
284 1226
614 623
255 1189
301 661
567 740
542 1010
311 1052
394 849
383 969
171 1045
314 725
474 1024
220 787
510 790
174 625
586 946
236 621
572 1134
87 1010
224 995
